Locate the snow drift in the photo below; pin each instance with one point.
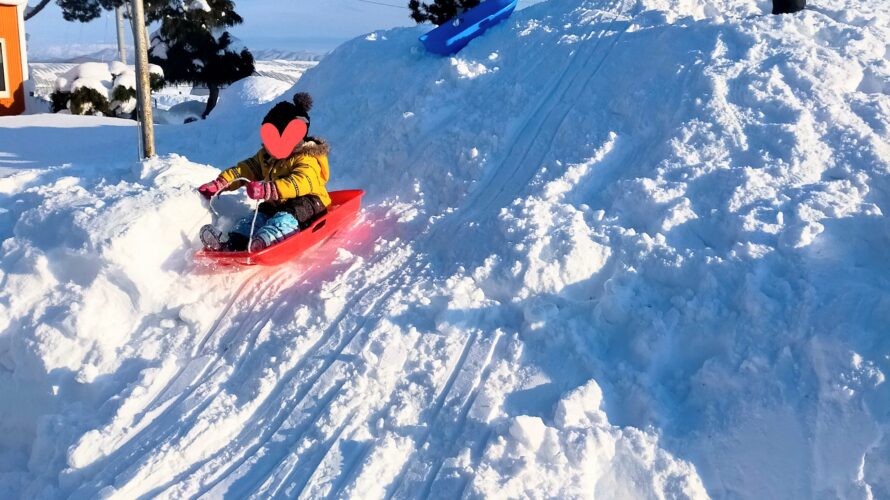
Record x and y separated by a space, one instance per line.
616 249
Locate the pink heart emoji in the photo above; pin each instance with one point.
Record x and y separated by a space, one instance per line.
282 145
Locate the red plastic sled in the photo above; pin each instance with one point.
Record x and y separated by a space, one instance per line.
342 210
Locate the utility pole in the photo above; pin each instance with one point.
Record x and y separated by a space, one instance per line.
121 42
143 90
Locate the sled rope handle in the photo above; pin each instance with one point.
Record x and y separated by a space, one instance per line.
256 210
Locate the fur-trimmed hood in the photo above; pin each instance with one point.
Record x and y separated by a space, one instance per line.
313 146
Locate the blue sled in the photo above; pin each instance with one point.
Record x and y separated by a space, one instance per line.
454 35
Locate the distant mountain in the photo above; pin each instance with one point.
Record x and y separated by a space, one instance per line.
78 53
287 55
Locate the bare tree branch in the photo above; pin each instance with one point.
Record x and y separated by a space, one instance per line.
33 11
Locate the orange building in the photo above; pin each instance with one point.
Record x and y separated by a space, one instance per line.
13 58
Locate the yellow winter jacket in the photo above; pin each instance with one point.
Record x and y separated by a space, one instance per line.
302 173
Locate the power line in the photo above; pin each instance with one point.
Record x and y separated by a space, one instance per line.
382 3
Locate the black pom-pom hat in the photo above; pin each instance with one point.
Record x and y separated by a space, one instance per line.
285 112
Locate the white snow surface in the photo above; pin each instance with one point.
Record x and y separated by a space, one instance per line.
613 249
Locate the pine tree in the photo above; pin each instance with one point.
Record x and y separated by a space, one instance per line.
440 11
192 46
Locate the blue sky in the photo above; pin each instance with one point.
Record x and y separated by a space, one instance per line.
280 24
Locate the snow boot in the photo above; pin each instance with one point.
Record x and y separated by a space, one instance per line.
211 237
257 244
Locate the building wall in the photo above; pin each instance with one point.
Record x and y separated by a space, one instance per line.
9 31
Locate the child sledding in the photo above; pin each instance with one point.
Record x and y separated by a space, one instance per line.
288 177
290 183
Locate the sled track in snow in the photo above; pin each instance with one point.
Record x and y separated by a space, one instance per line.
294 479
450 442
287 473
553 120
188 407
199 347
421 469
327 348
201 368
529 146
159 429
555 106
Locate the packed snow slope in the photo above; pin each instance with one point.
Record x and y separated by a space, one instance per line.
613 249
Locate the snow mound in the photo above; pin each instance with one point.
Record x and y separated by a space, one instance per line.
249 92
581 456
84 280
87 274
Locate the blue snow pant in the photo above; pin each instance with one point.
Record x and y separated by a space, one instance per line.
274 223
269 229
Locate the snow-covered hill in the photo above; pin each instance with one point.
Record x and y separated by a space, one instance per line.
614 249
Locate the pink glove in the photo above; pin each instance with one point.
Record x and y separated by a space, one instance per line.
257 190
213 187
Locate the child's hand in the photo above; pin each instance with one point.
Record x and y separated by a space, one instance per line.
262 190
212 187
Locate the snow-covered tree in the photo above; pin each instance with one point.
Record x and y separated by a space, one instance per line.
96 88
193 46
440 11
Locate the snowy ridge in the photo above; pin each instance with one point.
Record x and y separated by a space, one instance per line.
625 249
